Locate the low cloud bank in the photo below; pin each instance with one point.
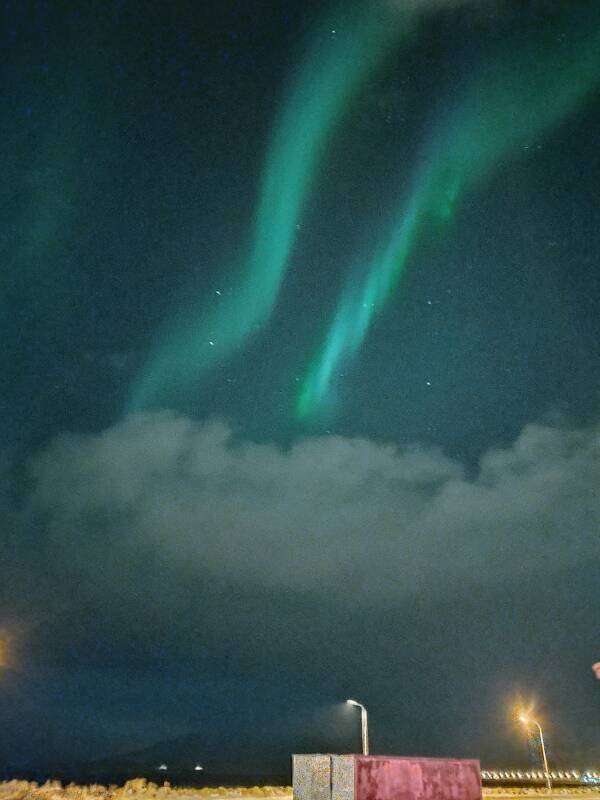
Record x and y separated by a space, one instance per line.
350 515
164 565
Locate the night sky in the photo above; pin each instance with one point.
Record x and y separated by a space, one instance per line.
300 379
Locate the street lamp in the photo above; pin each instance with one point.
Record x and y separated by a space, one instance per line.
363 724
530 721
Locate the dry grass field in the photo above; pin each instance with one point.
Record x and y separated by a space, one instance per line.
141 789
138 789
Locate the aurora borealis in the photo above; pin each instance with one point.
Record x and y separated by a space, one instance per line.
300 388
502 110
332 70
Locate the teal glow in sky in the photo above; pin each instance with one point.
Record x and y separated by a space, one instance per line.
218 564
501 112
510 103
335 66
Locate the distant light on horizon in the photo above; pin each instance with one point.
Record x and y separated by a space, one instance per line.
587 776
5 650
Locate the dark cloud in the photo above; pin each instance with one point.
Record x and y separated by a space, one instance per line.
160 509
301 519
178 565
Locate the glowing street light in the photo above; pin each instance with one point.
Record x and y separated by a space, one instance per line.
530 721
363 724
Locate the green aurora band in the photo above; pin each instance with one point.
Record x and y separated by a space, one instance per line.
513 100
342 54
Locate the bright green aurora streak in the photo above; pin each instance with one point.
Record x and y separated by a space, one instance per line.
513 100
340 58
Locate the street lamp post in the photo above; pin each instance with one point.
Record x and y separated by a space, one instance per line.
529 720
364 725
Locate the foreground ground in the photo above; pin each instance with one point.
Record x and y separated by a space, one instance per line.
140 789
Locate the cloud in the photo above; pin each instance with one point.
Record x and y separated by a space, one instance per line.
330 516
167 564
